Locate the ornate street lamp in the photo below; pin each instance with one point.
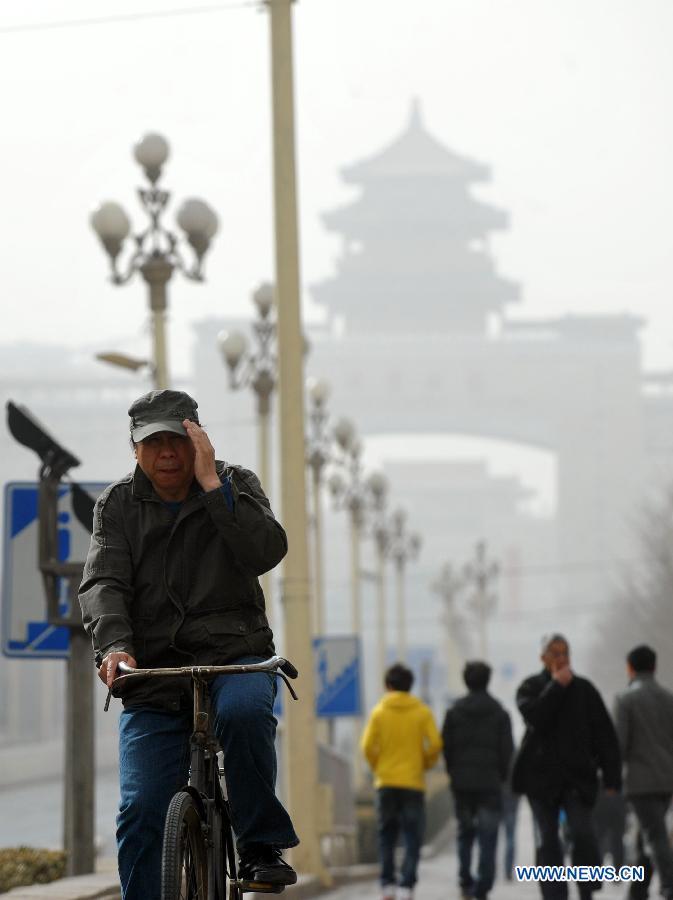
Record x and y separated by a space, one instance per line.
318 454
403 547
156 253
480 574
448 586
348 492
257 369
378 489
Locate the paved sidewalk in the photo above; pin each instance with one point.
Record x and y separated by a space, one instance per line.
438 882
438 876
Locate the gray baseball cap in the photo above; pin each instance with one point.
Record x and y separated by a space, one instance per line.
161 411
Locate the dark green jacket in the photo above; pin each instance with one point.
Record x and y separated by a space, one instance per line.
177 591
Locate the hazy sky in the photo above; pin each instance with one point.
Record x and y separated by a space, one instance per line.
569 102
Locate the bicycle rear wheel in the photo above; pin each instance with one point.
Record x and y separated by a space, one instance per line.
184 863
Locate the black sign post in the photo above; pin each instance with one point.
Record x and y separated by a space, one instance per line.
78 806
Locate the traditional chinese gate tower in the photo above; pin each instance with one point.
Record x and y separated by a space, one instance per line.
418 341
415 252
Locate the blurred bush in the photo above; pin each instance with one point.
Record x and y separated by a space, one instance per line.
29 865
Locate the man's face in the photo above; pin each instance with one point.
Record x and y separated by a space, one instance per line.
168 461
556 656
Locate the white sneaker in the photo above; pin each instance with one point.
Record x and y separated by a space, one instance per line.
405 894
388 892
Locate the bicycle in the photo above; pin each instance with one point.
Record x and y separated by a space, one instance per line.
199 856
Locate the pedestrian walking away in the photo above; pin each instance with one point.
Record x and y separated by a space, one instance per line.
644 719
569 737
477 737
171 579
400 742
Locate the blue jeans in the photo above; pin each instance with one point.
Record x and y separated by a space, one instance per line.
154 764
510 807
478 814
400 809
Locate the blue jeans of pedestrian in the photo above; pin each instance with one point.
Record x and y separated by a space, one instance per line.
478 814
510 808
154 764
400 810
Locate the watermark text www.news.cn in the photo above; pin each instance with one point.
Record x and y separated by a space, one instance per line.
579 873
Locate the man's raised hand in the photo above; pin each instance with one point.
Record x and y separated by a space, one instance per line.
204 458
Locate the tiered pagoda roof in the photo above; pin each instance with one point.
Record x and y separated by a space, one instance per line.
414 242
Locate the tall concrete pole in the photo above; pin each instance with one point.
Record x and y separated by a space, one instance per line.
318 588
157 272
448 586
301 747
482 572
356 618
401 610
356 594
381 618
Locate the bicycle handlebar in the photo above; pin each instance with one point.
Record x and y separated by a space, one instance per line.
273 664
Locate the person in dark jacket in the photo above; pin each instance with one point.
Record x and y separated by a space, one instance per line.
569 738
477 735
644 719
171 579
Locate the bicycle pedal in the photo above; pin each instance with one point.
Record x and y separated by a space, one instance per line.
260 887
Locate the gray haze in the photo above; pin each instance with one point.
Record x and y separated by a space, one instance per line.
486 275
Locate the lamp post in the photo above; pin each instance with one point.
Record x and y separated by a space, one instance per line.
317 456
480 574
378 488
403 547
156 254
348 493
301 752
448 586
256 368
353 493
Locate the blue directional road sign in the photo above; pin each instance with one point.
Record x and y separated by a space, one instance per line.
24 631
338 683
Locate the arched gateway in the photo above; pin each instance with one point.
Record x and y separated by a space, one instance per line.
417 339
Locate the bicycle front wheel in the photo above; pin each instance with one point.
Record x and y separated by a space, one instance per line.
184 863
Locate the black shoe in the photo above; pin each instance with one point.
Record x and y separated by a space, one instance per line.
262 864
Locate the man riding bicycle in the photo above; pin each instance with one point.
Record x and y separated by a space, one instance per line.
171 579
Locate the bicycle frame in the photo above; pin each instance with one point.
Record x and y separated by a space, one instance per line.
204 783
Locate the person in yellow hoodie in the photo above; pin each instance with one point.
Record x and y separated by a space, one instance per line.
400 742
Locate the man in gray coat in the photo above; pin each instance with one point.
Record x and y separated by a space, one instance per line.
644 720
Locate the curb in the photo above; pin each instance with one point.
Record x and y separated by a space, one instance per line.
77 887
